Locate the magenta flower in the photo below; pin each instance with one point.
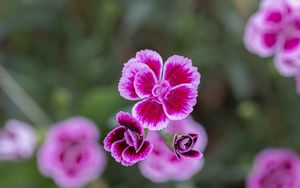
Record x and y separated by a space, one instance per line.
275 168
183 146
17 141
70 154
126 142
162 164
168 92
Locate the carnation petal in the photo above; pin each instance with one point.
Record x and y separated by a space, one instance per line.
126 87
152 59
133 139
179 70
150 114
291 44
113 136
287 64
117 149
124 163
294 3
144 82
259 40
126 120
192 154
180 102
130 155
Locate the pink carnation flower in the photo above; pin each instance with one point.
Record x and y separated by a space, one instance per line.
275 168
17 141
168 92
126 142
162 164
70 154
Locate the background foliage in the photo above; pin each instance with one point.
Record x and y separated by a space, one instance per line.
68 55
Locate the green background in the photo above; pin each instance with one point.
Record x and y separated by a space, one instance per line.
68 56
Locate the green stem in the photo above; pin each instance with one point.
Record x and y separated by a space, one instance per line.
168 138
22 100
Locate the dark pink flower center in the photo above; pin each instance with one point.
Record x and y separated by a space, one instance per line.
161 90
274 17
291 43
288 62
133 139
9 135
71 157
184 144
270 39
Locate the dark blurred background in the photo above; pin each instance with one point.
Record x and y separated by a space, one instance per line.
68 56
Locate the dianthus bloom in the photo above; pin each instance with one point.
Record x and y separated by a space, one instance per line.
126 142
17 141
275 168
183 145
168 92
162 164
70 154
275 30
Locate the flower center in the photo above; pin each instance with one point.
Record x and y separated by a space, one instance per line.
185 144
161 90
132 138
9 134
71 157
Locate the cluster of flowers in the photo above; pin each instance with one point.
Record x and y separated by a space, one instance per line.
71 155
159 134
275 30
167 93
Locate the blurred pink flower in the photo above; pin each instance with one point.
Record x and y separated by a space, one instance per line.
168 92
70 154
17 141
126 142
162 164
275 168
275 30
